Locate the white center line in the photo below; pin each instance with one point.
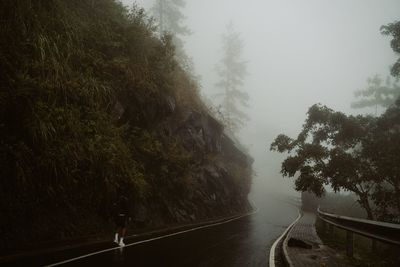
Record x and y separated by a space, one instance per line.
150 240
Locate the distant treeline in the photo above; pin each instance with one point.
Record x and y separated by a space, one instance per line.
342 204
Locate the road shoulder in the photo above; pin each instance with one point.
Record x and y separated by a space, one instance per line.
303 247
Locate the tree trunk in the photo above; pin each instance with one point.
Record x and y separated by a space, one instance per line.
365 204
397 197
370 215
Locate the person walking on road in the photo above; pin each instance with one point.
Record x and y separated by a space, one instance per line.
121 219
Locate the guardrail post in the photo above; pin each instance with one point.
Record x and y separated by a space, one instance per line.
349 243
323 226
374 245
330 229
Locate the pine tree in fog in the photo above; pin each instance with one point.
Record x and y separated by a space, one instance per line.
170 17
232 71
393 30
377 93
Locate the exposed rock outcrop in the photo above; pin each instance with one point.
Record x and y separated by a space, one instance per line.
220 182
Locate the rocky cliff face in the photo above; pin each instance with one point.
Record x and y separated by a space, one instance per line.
221 173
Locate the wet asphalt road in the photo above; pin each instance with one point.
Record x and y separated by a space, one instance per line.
244 242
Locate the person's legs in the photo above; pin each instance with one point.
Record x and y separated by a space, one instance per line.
119 225
122 233
116 237
118 234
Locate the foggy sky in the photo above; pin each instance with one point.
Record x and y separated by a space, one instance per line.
299 53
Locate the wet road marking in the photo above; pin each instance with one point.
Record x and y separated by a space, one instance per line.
272 250
150 240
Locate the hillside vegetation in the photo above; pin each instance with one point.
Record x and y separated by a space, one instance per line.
93 103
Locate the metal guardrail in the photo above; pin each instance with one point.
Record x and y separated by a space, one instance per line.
384 232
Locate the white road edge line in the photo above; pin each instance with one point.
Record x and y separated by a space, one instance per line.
272 250
151 239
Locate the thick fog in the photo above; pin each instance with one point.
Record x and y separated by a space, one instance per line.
299 53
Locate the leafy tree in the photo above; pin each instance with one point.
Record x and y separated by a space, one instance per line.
377 93
233 70
328 151
382 149
359 154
